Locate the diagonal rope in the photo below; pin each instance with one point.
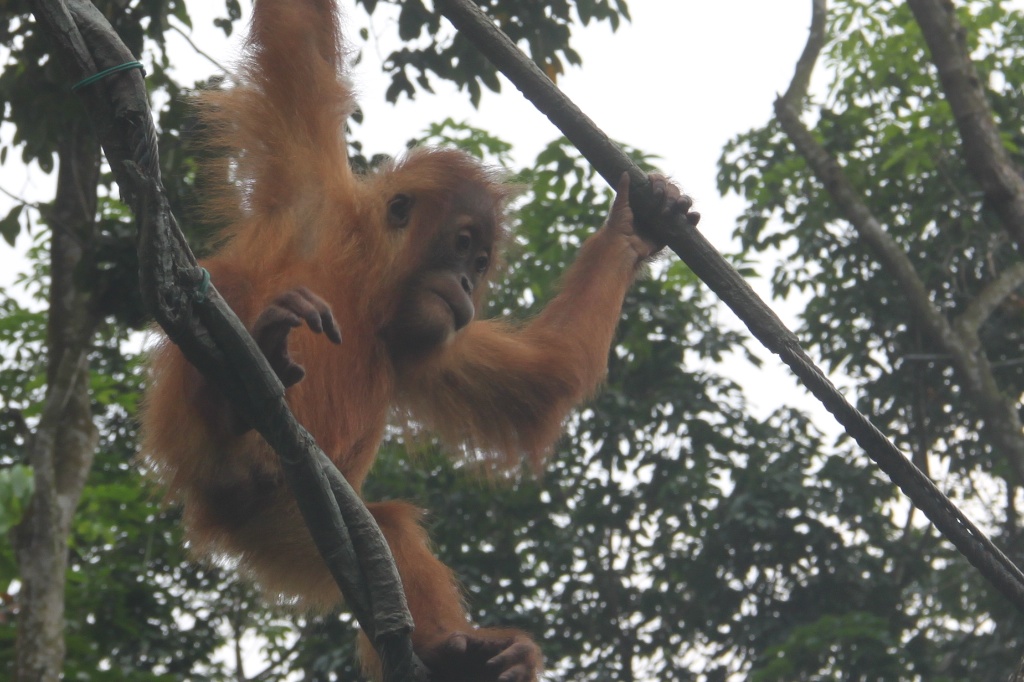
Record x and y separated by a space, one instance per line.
691 246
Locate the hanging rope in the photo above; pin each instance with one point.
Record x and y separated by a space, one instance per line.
195 317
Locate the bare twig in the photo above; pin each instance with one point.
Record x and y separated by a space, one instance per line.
188 39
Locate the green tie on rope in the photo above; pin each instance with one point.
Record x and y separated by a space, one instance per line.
127 66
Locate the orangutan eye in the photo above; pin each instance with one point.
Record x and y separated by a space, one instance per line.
464 241
399 210
481 264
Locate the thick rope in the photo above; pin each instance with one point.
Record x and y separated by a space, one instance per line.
82 39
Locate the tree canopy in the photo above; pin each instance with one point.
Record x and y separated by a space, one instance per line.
674 535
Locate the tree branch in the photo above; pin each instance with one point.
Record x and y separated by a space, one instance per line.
847 198
816 36
990 298
984 151
722 278
960 340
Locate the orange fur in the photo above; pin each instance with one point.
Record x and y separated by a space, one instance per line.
299 217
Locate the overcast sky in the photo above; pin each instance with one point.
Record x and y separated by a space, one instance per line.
679 81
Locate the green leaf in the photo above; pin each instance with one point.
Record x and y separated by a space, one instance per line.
10 226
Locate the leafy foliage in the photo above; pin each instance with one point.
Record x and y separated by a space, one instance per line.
884 119
544 34
673 536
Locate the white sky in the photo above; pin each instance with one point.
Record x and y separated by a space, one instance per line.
678 81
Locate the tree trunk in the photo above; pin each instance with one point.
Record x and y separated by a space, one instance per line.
61 449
